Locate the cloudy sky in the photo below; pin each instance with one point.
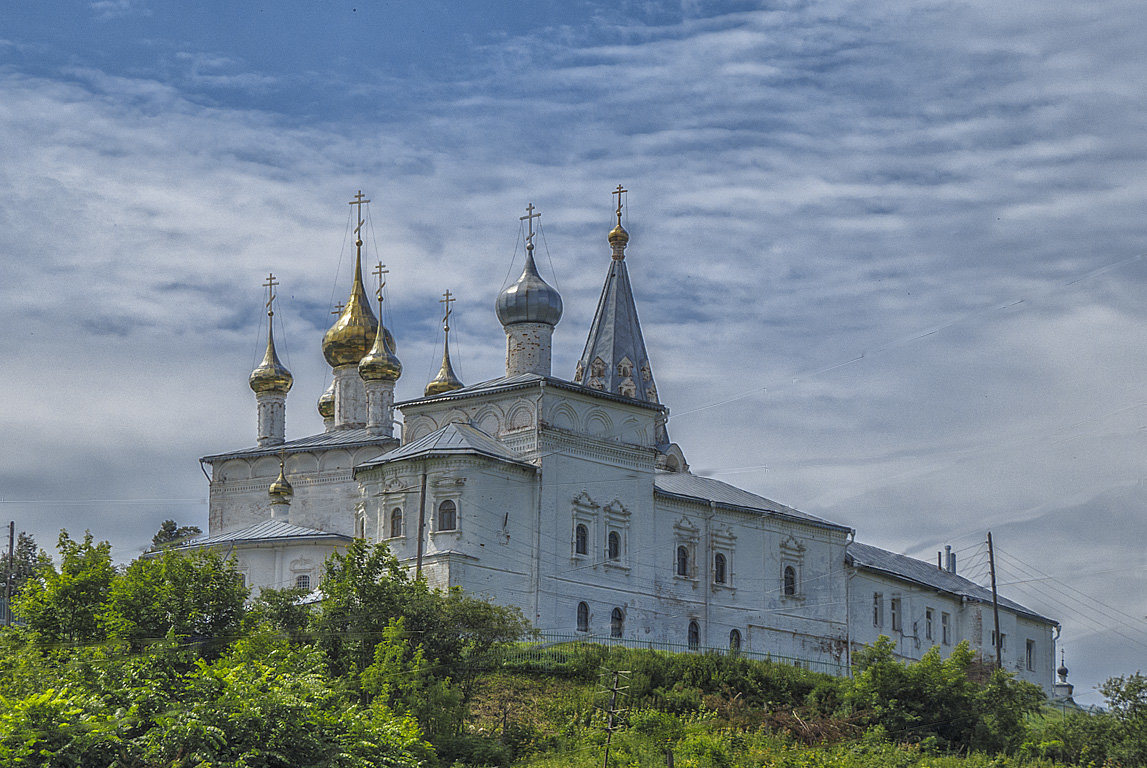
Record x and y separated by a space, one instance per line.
889 256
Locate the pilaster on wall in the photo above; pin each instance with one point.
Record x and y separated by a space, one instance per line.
380 407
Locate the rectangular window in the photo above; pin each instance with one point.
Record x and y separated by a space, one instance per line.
928 616
896 620
1031 655
877 609
946 628
1003 640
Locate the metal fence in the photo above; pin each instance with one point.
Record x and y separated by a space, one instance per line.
557 649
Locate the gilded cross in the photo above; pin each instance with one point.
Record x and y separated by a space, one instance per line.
359 200
380 272
270 286
530 216
338 310
447 299
619 192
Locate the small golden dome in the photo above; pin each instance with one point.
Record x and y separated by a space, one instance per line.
446 380
350 338
271 375
380 363
281 490
327 402
618 235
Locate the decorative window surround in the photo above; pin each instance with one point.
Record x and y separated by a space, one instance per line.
616 520
585 512
792 556
686 536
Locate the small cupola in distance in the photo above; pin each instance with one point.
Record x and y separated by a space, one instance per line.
528 311
271 381
446 380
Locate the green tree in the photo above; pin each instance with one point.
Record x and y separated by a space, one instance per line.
196 595
283 611
27 558
67 604
171 533
1127 698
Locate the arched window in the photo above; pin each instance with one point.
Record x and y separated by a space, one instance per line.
682 561
694 636
395 522
735 640
790 581
359 526
447 516
720 568
613 546
582 617
303 581
616 622
581 540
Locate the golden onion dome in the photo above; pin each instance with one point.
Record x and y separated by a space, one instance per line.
327 402
350 338
618 235
271 375
446 380
380 363
281 490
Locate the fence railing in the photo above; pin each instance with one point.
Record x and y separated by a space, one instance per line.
556 649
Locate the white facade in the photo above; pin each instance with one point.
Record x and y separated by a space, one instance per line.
567 500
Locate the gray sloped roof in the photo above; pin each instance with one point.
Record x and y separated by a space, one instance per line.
522 381
686 485
338 438
451 440
264 531
927 574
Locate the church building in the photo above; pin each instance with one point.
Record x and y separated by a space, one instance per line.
566 498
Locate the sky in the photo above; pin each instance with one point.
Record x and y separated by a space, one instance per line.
889 257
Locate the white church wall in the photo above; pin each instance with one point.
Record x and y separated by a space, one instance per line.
922 613
279 565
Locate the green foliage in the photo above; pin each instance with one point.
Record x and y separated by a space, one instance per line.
281 610
195 595
27 558
65 605
171 533
935 701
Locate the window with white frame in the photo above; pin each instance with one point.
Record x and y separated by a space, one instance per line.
395 523
897 616
877 609
447 515
792 557
720 569
616 519
946 628
582 617
929 617
585 526
1029 655
686 536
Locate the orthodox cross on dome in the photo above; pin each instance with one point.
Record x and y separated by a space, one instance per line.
270 286
619 192
530 216
380 272
359 200
338 310
447 299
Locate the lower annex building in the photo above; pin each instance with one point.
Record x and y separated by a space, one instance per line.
567 499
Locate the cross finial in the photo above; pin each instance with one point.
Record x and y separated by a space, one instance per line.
619 192
359 200
530 216
338 310
270 286
447 299
380 272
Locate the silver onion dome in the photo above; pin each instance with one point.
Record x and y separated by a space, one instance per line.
529 300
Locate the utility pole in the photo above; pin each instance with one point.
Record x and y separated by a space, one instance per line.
995 603
8 573
611 713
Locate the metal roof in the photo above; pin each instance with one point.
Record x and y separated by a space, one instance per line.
927 574
686 485
522 381
453 439
264 531
338 438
